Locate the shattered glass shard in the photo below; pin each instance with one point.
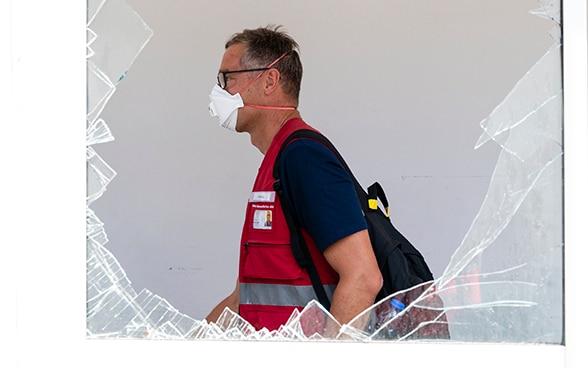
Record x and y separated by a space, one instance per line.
99 91
549 10
98 177
313 322
529 111
98 132
114 309
422 316
507 274
93 7
120 36
90 38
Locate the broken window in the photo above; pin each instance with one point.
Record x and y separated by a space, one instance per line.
504 283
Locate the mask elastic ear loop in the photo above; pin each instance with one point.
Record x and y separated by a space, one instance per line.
271 107
263 71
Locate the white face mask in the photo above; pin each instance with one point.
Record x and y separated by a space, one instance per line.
224 107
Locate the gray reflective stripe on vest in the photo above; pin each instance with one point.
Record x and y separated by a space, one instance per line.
279 295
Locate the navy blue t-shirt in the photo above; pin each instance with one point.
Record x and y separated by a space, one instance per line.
321 191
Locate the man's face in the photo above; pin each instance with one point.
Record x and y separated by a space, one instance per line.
237 82
231 61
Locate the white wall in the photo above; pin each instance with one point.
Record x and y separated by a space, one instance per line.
399 86
43 213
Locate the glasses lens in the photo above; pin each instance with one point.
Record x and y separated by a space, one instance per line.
221 80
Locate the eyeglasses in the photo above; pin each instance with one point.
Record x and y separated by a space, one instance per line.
221 78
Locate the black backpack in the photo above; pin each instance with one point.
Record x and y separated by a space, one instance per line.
401 264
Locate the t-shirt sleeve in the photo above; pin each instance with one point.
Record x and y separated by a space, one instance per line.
321 192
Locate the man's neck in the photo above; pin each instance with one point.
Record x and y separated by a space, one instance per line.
263 137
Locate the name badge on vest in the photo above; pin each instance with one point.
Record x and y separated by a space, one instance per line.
262 197
262 209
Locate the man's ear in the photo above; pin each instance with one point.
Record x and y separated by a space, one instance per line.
271 81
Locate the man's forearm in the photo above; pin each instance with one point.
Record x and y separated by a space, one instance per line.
349 300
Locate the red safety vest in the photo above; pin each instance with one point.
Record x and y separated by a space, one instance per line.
271 284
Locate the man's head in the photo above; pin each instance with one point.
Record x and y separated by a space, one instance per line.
262 46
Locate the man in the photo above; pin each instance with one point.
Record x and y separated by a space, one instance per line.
257 92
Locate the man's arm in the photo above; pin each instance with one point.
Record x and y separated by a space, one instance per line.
323 196
360 279
231 301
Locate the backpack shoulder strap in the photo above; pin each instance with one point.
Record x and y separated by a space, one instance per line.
312 134
297 242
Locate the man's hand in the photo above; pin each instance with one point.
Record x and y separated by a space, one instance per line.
231 301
